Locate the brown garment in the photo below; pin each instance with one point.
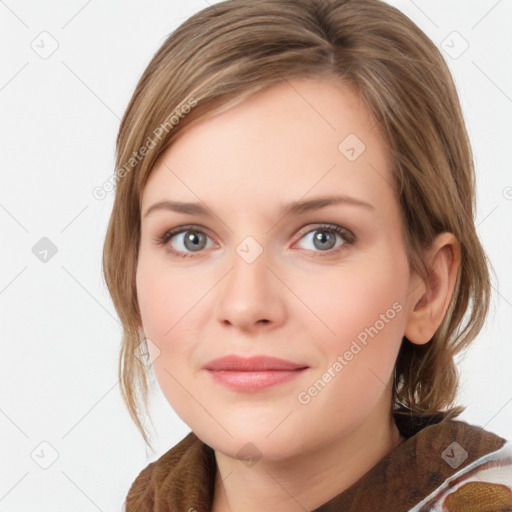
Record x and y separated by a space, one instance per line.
183 479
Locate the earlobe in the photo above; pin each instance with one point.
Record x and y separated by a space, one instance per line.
430 297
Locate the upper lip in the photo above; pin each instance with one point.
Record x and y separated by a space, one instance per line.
251 364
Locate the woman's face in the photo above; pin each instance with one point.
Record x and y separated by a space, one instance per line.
249 279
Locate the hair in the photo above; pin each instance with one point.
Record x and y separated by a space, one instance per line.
235 48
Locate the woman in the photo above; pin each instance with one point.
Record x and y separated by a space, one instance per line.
315 157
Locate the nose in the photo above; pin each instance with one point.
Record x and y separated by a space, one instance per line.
251 296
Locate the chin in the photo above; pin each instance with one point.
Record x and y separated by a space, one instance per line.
250 451
250 444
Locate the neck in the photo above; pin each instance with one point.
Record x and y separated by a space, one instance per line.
307 480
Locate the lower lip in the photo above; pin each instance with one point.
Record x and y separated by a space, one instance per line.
254 381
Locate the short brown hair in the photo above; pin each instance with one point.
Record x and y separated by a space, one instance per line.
234 48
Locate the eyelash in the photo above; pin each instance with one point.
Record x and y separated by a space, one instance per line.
348 237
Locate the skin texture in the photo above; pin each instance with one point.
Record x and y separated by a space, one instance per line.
298 300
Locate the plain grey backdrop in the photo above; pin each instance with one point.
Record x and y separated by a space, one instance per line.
67 72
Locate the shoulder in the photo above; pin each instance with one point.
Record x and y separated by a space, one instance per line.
167 475
476 472
467 442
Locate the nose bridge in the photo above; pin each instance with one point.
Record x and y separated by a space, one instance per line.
249 263
249 294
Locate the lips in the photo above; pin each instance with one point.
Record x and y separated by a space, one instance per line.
252 364
253 374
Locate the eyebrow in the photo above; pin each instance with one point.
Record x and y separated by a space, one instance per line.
295 207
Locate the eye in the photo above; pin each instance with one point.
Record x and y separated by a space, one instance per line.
194 240
322 239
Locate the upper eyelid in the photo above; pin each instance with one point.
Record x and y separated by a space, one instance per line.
319 225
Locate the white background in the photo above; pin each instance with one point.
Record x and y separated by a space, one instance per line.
59 333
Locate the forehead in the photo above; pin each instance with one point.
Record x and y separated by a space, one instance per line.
299 138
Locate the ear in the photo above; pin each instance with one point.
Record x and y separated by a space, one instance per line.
429 298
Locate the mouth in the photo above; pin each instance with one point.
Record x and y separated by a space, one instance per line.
252 364
253 374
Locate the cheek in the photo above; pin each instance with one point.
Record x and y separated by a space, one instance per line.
151 298
169 300
163 294
351 301
366 313
164 304
364 310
